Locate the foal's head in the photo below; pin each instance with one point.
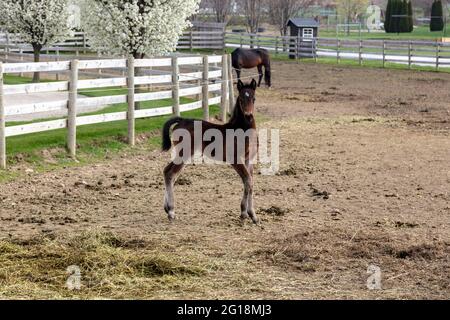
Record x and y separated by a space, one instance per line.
246 97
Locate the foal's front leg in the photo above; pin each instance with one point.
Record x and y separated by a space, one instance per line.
247 200
170 173
250 208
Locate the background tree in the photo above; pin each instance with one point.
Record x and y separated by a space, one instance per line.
253 12
38 22
280 11
410 17
351 10
222 10
404 19
437 16
388 17
399 17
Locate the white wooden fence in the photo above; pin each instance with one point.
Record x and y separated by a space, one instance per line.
211 86
421 53
13 49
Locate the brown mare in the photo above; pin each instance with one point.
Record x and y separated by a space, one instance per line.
242 120
251 58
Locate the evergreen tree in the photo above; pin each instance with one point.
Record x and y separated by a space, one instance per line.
437 20
388 17
410 17
404 19
396 11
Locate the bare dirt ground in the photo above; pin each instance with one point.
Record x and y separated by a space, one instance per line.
364 181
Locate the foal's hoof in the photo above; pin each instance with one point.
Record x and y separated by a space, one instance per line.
244 216
255 220
171 216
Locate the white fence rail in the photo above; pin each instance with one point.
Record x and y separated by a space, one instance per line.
173 80
421 53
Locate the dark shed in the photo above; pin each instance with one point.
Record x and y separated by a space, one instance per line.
306 29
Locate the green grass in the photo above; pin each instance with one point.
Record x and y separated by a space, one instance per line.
284 57
373 64
95 142
419 33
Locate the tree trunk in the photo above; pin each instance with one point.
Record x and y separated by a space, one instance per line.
37 57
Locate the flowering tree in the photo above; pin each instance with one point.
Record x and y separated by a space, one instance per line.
136 27
37 22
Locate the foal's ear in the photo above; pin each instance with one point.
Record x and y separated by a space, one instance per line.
253 84
240 85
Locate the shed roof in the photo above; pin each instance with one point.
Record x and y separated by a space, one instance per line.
304 22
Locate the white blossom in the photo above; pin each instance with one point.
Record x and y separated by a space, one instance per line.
136 27
37 22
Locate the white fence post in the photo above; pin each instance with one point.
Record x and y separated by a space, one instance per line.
21 59
315 49
224 93
230 86
409 54
72 112
7 47
276 46
224 40
384 53
438 53
175 86
84 43
2 123
130 101
360 52
57 59
338 51
205 88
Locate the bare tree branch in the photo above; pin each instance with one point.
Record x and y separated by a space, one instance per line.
283 10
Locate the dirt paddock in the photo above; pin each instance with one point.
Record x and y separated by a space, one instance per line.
364 180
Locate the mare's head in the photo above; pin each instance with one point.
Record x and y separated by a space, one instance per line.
246 97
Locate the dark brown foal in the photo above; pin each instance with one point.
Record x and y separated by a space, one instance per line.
234 143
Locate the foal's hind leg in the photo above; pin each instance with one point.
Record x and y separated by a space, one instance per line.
247 200
170 173
260 72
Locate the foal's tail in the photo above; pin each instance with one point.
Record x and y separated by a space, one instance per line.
166 142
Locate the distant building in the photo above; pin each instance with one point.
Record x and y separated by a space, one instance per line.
304 27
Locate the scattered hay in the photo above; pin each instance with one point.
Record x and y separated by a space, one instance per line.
183 182
109 265
291 252
424 251
363 120
290 171
273 210
319 194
